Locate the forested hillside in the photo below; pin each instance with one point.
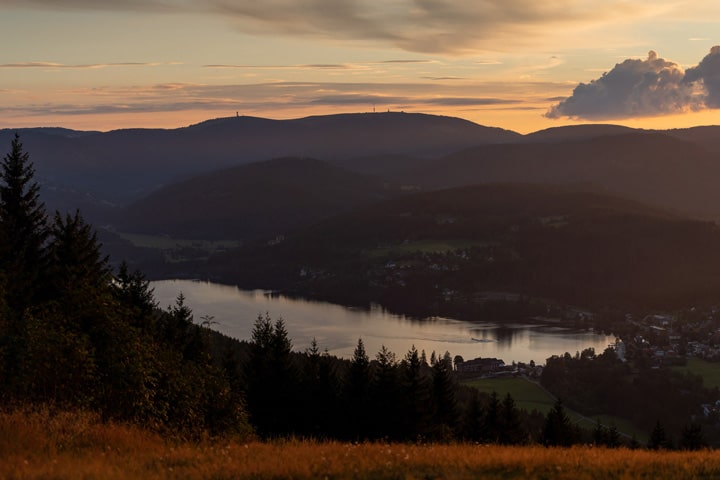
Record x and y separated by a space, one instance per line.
446 252
76 335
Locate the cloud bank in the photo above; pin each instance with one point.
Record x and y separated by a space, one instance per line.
642 88
424 26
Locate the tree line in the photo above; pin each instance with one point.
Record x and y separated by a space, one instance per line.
75 334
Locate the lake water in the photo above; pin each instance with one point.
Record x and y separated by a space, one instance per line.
338 328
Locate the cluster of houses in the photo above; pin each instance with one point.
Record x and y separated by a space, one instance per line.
667 340
494 367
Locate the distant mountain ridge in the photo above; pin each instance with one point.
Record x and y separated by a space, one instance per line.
111 162
653 168
99 171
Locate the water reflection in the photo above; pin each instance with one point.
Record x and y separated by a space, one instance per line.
338 328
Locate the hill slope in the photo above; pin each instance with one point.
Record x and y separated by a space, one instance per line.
437 252
259 200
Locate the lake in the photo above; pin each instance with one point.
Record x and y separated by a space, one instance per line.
337 328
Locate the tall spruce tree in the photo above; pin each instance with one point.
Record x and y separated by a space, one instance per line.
23 228
387 400
558 430
77 272
271 379
23 232
444 398
416 395
357 393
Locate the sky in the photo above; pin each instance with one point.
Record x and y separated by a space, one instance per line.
523 65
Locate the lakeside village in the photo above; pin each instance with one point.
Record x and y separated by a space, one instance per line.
652 341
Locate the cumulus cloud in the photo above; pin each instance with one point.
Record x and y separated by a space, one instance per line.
650 87
708 74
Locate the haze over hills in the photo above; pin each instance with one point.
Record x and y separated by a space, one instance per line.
101 171
126 164
650 167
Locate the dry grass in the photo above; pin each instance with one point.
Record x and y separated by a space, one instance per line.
41 445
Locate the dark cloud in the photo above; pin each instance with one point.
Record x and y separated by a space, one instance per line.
708 73
649 87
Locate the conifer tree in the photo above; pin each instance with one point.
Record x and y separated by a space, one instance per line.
558 431
512 430
23 227
386 395
416 395
491 420
658 439
134 293
444 398
77 271
271 379
357 393
472 424
692 437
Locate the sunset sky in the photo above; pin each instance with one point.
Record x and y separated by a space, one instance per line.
517 64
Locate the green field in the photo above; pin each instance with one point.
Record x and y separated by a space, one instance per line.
426 246
709 371
167 243
530 396
526 394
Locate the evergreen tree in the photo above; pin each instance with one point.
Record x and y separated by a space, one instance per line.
658 439
512 432
692 437
357 393
613 437
444 400
558 430
23 228
386 395
472 423
271 379
133 292
491 420
599 434
78 274
416 397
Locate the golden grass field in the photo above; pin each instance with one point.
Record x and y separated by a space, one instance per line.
40 445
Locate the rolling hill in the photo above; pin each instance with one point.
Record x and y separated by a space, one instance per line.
256 201
438 251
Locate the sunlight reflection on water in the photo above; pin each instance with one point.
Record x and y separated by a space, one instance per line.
338 328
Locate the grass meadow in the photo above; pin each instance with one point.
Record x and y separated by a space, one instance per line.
43 445
709 371
530 396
